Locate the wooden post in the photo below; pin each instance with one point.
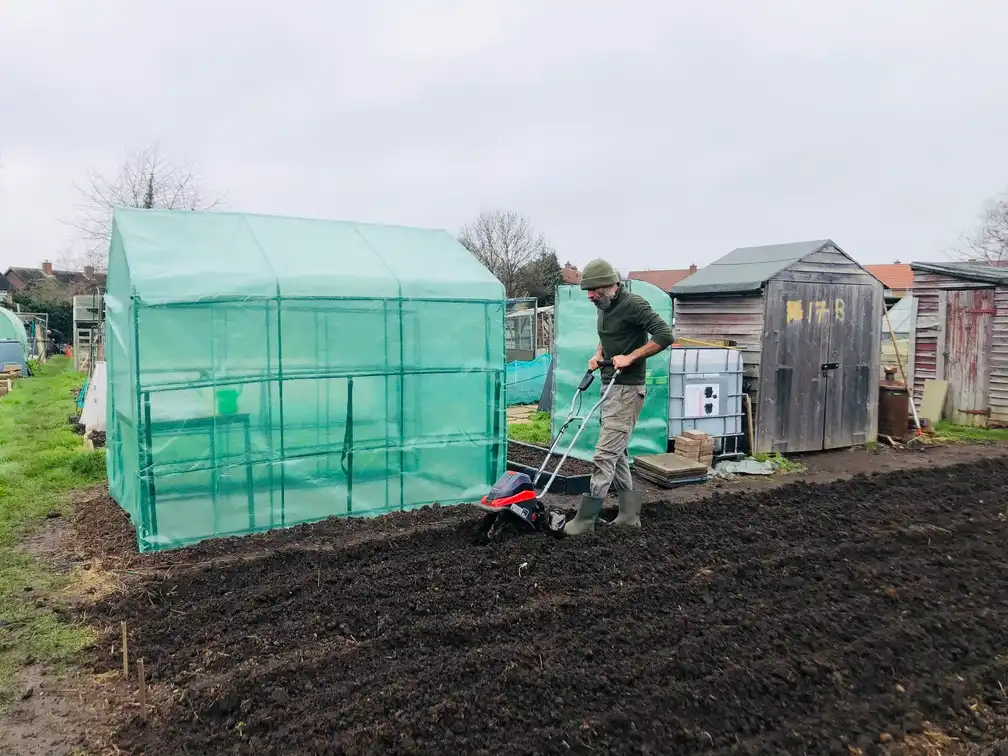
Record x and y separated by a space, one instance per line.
750 431
125 653
142 688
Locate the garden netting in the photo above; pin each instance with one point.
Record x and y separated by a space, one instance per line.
526 378
265 371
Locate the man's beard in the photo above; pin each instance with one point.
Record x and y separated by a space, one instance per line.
603 301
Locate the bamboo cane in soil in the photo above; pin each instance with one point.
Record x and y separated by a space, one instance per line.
125 653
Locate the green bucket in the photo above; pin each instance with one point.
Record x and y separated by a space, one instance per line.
227 401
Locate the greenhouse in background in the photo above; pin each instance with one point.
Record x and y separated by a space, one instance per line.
265 371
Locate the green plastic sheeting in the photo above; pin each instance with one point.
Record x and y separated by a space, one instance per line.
12 328
575 337
266 371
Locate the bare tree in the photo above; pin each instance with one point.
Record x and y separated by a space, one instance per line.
507 244
988 243
146 179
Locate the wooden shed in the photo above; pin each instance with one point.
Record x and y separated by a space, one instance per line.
808 319
959 334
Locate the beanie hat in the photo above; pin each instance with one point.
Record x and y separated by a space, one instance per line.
598 273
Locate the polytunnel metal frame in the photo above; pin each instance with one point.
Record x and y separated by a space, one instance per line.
497 396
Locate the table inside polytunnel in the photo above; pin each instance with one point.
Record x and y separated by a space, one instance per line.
251 413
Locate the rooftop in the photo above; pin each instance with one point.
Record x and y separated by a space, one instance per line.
895 276
663 279
747 269
969 271
65 278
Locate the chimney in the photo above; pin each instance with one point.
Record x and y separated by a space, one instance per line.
89 272
47 267
692 269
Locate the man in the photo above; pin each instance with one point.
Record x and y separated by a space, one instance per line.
625 322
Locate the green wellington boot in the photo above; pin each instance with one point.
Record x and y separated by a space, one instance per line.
629 509
584 521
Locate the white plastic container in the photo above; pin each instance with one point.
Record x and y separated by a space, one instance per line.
705 392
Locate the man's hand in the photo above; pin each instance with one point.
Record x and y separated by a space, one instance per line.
622 361
593 362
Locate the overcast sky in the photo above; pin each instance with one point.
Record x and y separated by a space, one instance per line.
656 134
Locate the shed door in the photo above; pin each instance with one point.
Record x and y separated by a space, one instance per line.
792 402
969 319
851 383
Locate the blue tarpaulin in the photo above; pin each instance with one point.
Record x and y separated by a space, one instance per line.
525 380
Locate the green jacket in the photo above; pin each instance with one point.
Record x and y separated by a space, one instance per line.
626 326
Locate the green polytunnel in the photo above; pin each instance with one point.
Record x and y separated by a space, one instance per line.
265 371
12 329
575 339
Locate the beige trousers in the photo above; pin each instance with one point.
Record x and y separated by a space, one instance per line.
620 411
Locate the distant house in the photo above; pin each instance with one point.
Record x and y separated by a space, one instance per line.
71 282
663 279
571 274
897 277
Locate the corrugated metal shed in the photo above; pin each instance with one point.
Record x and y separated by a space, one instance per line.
807 318
960 335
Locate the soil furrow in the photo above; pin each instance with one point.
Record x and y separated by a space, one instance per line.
803 618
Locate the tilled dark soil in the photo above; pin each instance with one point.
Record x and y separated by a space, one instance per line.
533 457
863 614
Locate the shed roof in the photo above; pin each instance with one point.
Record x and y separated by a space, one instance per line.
184 256
747 269
969 271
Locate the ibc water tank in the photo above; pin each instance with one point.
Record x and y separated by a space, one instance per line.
705 392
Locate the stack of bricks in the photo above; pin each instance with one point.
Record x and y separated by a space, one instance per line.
695 446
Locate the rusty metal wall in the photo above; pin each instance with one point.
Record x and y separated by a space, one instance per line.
721 318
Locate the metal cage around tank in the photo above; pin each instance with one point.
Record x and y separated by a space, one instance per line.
705 394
